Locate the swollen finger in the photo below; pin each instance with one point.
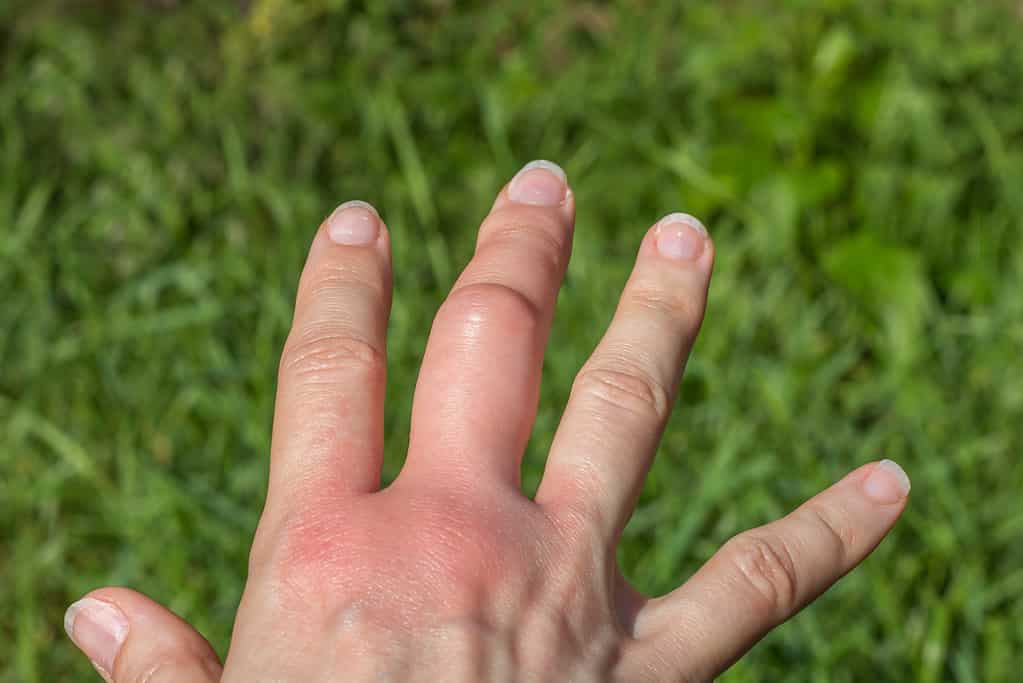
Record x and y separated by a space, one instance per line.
477 392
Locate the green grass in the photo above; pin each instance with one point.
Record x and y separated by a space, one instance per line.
860 165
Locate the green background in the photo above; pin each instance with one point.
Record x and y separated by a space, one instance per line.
860 165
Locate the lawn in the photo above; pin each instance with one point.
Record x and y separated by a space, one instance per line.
163 166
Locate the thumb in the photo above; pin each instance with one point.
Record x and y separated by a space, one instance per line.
131 639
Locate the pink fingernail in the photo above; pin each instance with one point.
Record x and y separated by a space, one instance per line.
98 628
681 237
540 182
887 483
354 223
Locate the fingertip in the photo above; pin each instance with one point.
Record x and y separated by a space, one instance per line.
539 184
98 627
354 223
886 483
125 634
682 239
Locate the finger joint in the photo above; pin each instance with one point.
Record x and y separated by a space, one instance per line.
484 301
630 389
676 305
323 355
768 569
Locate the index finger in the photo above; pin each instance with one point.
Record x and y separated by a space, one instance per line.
328 419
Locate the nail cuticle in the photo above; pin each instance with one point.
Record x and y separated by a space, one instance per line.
887 483
357 203
99 629
354 223
680 237
540 183
683 219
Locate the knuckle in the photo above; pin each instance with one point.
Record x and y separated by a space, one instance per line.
325 353
289 538
337 282
525 218
766 566
629 389
539 233
579 514
302 555
578 525
675 304
836 529
480 301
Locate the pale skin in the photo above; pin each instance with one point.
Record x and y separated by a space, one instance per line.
451 573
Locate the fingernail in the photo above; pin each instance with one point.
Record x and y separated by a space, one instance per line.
98 628
354 223
680 237
540 182
887 484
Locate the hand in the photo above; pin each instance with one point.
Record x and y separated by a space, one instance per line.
451 573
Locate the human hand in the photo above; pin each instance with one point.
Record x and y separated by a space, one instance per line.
451 573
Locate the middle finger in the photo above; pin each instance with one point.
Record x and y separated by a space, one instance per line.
478 387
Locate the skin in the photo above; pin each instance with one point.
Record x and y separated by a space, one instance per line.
451 573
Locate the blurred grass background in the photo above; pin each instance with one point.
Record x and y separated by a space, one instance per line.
860 165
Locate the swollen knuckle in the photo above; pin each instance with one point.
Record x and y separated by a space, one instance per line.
764 564
485 300
627 388
325 353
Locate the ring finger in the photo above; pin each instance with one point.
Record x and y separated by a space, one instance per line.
624 393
